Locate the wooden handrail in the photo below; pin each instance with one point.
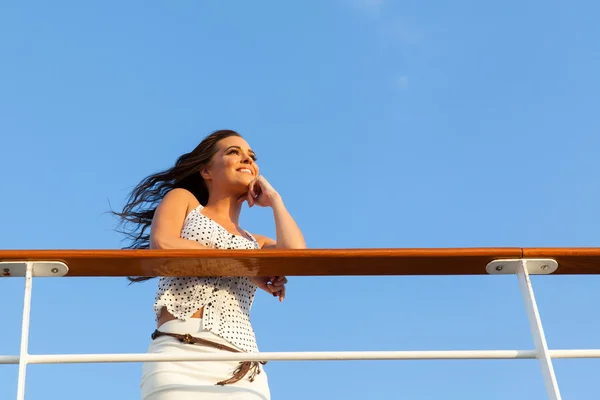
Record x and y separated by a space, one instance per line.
309 262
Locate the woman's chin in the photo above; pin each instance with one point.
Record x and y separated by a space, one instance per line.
240 187
244 181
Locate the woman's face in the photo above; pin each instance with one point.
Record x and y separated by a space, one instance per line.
233 166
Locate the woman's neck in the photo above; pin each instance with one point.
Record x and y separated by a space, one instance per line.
226 208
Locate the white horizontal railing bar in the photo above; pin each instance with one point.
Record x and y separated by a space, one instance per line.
304 356
277 356
578 353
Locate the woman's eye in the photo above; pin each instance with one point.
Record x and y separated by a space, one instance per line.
236 151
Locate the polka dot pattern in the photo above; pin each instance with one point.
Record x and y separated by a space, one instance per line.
226 300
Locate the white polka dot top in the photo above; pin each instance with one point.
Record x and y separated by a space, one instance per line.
226 300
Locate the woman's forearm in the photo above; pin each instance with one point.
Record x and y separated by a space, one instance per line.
288 233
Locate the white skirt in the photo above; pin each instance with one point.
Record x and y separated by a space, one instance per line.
187 380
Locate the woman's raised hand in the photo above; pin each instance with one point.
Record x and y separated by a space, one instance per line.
260 192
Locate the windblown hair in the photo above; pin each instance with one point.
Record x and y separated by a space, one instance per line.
143 200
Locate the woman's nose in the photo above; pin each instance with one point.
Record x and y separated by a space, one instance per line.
247 159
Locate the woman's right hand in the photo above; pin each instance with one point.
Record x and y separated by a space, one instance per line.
271 284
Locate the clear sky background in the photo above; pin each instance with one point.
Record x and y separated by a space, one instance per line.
381 123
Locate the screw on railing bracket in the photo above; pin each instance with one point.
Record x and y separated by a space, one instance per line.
6 272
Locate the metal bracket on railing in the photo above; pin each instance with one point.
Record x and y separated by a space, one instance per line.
535 266
40 268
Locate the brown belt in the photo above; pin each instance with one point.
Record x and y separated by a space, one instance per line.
238 374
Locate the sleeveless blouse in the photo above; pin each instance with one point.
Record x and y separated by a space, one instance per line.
226 300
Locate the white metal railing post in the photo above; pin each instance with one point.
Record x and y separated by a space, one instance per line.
539 339
23 356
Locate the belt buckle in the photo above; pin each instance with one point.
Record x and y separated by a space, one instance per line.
187 338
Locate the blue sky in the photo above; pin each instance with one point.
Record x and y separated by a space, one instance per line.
382 124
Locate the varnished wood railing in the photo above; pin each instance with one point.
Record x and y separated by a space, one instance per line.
310 262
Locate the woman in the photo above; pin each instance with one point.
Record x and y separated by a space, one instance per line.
199 203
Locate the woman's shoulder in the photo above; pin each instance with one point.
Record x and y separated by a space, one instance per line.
180 195
180 199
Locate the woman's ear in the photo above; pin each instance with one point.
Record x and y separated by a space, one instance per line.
205 173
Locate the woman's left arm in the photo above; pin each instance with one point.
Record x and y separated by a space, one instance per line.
288 233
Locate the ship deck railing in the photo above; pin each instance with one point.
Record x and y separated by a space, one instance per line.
520 262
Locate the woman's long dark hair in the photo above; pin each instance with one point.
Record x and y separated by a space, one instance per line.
144 198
